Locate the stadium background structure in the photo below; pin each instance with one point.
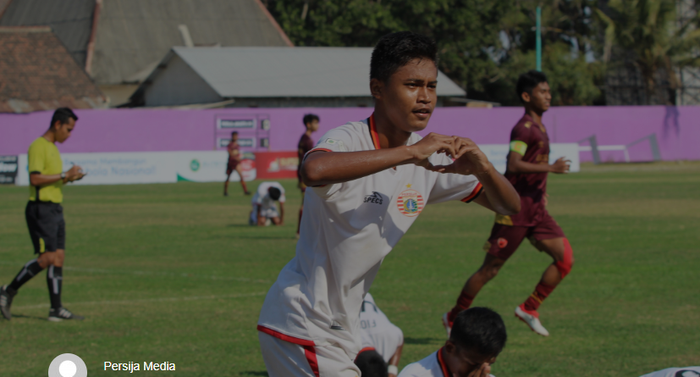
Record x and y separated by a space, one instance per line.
676 128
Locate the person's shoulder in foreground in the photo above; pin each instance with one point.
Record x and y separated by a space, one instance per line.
477 338
676 372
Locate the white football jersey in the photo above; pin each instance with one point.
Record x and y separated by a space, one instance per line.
346 231
377 331
262 198
676 372
431 366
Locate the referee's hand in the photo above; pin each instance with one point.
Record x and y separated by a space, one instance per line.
74 173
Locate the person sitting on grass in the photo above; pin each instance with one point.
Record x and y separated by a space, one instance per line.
264 210
478 336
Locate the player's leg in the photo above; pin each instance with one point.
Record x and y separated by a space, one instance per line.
302 186
239 170
228 177
285 359
502 243
547 237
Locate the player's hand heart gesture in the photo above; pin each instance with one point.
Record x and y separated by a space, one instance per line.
433 143
470 159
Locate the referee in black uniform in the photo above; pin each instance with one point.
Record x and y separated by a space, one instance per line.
44 215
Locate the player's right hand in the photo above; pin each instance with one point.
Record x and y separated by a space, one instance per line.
432 143
483 371
560 166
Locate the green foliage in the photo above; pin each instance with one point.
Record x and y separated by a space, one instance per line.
463 29
651 31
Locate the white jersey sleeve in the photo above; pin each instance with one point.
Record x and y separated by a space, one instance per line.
339 139
676 372
453 186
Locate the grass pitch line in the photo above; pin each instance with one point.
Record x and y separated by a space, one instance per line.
149 300
153 273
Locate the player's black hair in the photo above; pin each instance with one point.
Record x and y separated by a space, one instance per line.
62 115
395 50
528 81
371 364
274 192
234 133
479 329
308 118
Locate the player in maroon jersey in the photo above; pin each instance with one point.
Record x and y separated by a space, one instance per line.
306 143
527 168
234 160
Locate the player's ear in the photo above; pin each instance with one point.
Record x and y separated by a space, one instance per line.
376 87
525 96
450 347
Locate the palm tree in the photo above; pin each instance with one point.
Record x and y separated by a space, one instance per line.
650 30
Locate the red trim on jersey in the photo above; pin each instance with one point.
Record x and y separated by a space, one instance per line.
317 150
477 190
373 132
310 353
443 367
286 338
365 350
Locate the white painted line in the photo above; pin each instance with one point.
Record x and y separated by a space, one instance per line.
146 300
153 273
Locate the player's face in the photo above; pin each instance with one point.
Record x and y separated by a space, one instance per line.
63 130
234 137
462 362
541 97
409 95
313 126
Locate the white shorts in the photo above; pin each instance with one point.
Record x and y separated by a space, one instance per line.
268 213
286 359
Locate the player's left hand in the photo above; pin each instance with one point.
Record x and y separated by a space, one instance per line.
471 160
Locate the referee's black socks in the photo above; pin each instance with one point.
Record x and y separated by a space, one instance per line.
54 279
25 274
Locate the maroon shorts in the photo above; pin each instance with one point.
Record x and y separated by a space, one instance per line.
505 239
232 164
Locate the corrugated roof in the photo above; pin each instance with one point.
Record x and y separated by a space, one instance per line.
38 73
289 72
132 34
71 21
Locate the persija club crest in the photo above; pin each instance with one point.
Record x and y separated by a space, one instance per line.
410 202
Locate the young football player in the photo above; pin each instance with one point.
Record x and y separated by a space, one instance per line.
378 333
478 336
369 181
234 163
527 169
306 143
264 209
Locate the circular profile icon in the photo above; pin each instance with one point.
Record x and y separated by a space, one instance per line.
67 365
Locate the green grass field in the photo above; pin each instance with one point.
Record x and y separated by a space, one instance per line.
172 272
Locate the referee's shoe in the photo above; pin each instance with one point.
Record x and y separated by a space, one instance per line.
58 315
5 302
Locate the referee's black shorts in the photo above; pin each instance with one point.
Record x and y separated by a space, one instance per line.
46 226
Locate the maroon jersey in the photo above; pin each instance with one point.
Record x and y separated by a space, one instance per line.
531 187
305 144
233 147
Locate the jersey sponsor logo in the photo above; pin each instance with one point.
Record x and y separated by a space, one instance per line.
339 143
502 242
375 198
410 202
527 124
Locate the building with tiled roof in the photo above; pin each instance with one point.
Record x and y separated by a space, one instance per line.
37 73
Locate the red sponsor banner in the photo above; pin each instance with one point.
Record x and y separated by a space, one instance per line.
275 165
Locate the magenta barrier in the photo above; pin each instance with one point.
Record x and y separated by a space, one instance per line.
677 129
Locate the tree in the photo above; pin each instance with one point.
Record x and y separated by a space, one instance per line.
650 30
463 29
